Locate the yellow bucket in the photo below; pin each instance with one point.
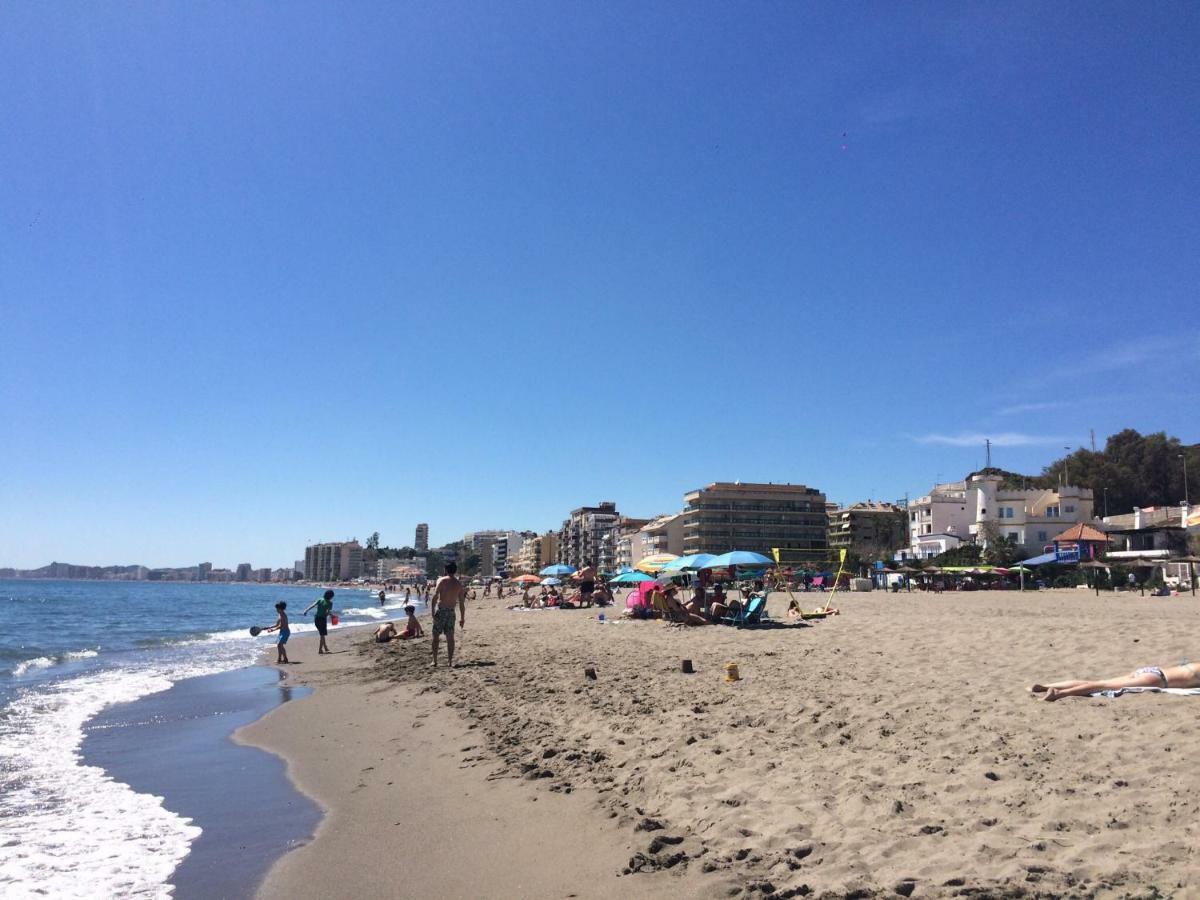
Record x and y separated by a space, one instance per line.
731 672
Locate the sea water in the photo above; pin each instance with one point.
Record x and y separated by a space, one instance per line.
69 649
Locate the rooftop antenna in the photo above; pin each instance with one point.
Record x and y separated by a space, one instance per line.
988 443
1092 432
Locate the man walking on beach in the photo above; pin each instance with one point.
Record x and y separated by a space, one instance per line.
587 584
448 593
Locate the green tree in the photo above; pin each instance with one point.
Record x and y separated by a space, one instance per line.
373 541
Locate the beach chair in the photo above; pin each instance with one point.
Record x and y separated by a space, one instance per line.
750 613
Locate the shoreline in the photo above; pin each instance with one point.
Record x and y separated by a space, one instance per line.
413 804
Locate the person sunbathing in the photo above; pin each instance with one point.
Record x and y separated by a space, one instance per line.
1184 675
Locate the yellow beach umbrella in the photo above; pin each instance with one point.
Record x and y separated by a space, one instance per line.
654 562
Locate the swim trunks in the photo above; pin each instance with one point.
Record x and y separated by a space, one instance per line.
586 587
322 626
443 622
284 634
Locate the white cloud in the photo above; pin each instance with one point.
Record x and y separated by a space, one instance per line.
1020 408
977 439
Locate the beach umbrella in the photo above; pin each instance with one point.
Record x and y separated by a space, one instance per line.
655 562
631 578
743 558
689 563
624 570
550 582
527 579
1191 564
558 570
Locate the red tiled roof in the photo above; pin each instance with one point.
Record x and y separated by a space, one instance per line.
1080 532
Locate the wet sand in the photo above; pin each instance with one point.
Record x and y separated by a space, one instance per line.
892 750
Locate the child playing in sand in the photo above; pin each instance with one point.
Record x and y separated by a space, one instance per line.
281 625
412 628
1184 675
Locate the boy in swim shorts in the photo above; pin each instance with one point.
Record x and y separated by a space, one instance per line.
281 625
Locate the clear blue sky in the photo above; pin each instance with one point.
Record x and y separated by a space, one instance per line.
280 272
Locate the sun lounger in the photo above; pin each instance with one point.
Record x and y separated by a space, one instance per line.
750 613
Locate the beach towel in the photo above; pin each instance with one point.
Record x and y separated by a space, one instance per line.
1179 692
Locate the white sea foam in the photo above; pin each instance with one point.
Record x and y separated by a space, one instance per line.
70 830
370 612
45 662
41 662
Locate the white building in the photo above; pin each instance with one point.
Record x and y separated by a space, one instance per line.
507 549
974 511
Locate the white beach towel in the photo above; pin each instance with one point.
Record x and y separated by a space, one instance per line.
1181 692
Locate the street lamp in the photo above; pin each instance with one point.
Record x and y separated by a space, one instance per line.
1183 456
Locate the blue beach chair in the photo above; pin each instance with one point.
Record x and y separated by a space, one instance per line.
750 613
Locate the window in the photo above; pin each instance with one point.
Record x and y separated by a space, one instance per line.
1051 512
1069 509
1042 536
1014 537
929 529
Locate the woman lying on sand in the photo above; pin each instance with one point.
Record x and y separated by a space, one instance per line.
1184 675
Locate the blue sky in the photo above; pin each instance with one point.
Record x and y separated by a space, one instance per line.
273 273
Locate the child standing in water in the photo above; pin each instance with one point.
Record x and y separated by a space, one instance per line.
281 625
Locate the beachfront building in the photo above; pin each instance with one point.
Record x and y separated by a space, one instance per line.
869 530
535 554
589 536
981 508
627 542
507 549
245 572
421 542
334 561
759 517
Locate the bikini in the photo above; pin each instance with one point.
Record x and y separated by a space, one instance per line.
1156 671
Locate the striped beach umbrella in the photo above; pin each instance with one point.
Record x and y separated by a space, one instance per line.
655 562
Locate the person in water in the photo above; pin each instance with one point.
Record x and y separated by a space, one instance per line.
281 625
1184 675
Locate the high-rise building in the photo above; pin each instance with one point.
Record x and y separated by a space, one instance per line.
336 561
203 571
421 543
263 575
758 517
298 568
244 571
589 537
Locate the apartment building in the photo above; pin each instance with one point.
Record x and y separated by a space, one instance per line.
728 516
421 541
869 530
537 552
589 536
334 561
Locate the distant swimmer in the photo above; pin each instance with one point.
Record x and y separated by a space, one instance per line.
448 593
382 597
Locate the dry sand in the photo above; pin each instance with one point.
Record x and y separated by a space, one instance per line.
891 750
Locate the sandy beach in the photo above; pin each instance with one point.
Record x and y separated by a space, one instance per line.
893 750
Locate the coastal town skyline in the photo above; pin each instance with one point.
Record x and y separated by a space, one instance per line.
490 262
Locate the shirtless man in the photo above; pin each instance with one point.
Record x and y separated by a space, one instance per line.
587 584
448 593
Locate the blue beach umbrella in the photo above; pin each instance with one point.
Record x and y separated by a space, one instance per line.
550 582
557 570
689 563
743 558
631 578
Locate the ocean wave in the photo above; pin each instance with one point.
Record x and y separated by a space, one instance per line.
82 833
45 662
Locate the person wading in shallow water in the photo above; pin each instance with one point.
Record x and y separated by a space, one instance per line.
447 594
